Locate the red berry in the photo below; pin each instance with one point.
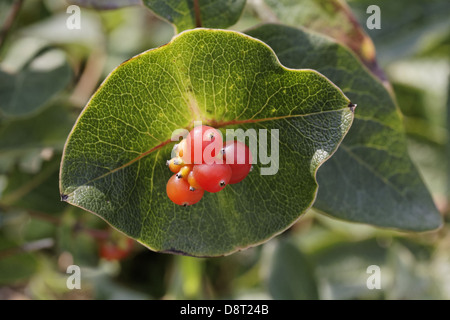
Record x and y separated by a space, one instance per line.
178 190
212 177
203 143
238 156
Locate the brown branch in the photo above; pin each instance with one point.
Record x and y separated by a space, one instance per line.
10 20
98 234
198 19
33 213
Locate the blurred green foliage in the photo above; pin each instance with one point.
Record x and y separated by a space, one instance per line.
317 258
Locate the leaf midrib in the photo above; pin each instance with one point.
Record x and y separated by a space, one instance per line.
371 169
214 123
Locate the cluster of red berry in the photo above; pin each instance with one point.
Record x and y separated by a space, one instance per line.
203 162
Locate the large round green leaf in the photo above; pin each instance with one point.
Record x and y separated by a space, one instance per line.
114 159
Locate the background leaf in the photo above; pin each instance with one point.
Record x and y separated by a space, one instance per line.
36 192
420 85
342 269
407 27
32 139
291 274
213 13
371 178
114 159
31 89
333 18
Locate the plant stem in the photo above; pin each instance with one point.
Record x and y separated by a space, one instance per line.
33 213
198 20
10 20
98 234
447 147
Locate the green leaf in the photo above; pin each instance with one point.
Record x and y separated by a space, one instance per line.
210 14
114 159
407 26
29 90
291 274
333 18
371 178
39 134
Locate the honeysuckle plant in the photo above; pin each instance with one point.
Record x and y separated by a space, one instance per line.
316 108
